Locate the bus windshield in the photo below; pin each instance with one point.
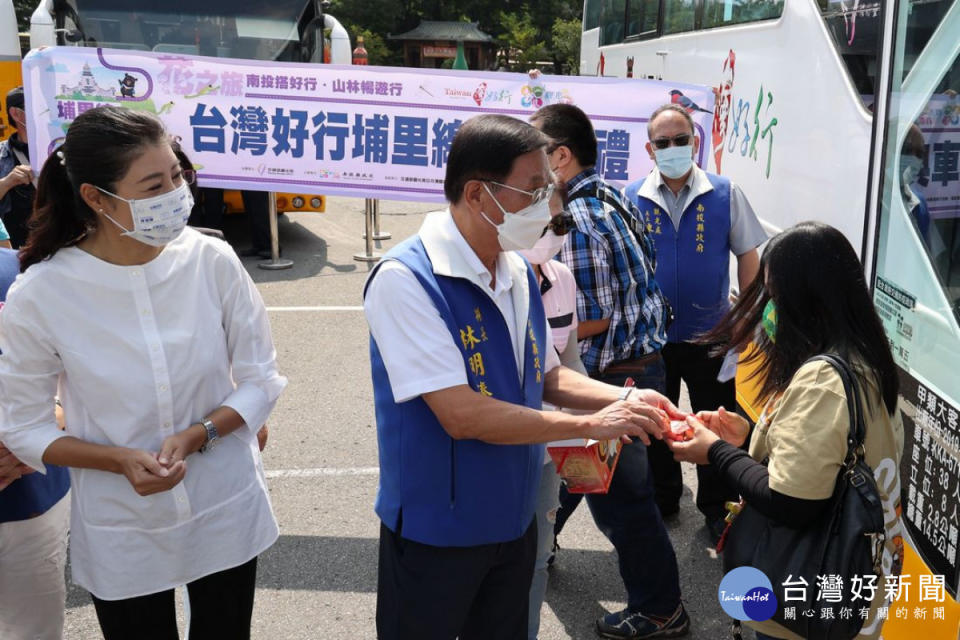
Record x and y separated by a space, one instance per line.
250 29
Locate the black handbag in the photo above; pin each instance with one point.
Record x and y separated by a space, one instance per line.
846 540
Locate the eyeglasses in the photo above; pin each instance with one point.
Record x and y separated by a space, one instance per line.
536 196
561 224
189 176
681 140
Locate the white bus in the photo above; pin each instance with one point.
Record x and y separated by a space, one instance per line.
845 111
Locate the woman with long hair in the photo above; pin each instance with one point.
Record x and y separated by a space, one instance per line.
811 298
157 344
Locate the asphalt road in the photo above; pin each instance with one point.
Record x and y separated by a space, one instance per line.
319 580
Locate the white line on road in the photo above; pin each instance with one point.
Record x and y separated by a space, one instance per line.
314 308
323 471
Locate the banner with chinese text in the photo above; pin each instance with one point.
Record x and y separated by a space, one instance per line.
380 132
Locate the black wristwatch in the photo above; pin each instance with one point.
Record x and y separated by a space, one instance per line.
212 435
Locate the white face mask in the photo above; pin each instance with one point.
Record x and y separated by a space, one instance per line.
545 249
158 220
522 229
910 167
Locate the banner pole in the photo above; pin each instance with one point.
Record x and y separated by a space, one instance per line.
276 262
377 234
370 255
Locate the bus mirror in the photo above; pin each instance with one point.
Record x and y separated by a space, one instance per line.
70 35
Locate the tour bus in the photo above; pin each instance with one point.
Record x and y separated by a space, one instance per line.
9 61
821 104
281 30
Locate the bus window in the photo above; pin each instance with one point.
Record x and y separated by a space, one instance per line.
591 14
720 13
612 15
917 275
679 16
642 17
925 17
855 29
237 29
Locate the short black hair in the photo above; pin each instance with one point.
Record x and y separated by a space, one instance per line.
14 99
569 126
484 148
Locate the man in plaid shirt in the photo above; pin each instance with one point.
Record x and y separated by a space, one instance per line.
622 328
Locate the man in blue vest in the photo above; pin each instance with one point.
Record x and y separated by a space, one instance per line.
34 517
462 361
696 220
16 177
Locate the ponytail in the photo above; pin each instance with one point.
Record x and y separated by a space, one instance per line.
100 146
59 219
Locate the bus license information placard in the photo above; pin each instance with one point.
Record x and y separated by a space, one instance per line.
930 472
896 308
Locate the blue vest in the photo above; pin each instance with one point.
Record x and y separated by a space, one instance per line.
33 494
693 262
457 493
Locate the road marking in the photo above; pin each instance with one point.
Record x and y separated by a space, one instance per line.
314 308
323 471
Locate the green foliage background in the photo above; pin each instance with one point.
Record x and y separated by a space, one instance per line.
528 32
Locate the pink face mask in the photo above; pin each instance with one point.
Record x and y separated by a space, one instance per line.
545 250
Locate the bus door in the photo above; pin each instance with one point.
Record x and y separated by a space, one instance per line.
914 266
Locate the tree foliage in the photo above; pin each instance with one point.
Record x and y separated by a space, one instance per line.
24 9
566 44
377 51
521 41
532 30
527 26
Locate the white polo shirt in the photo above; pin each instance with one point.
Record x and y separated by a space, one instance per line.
418 351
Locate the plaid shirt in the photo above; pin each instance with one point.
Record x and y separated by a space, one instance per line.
614 274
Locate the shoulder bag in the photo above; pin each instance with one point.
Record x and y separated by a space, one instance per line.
845 541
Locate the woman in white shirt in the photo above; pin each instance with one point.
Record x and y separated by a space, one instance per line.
158 345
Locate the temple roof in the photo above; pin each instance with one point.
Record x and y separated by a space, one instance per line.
439 30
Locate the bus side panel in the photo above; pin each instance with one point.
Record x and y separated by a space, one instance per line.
286 202
10 77
912 626
748 386
590 53
796 136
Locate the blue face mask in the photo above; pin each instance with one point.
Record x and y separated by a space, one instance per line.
674 162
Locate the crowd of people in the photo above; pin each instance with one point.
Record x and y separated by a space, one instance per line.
137 371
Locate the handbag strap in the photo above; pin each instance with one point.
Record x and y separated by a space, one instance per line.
858 430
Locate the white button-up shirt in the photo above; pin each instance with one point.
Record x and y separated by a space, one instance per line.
417 349
140 353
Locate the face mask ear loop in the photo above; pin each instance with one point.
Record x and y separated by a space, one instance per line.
120 226
496 202
107 215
